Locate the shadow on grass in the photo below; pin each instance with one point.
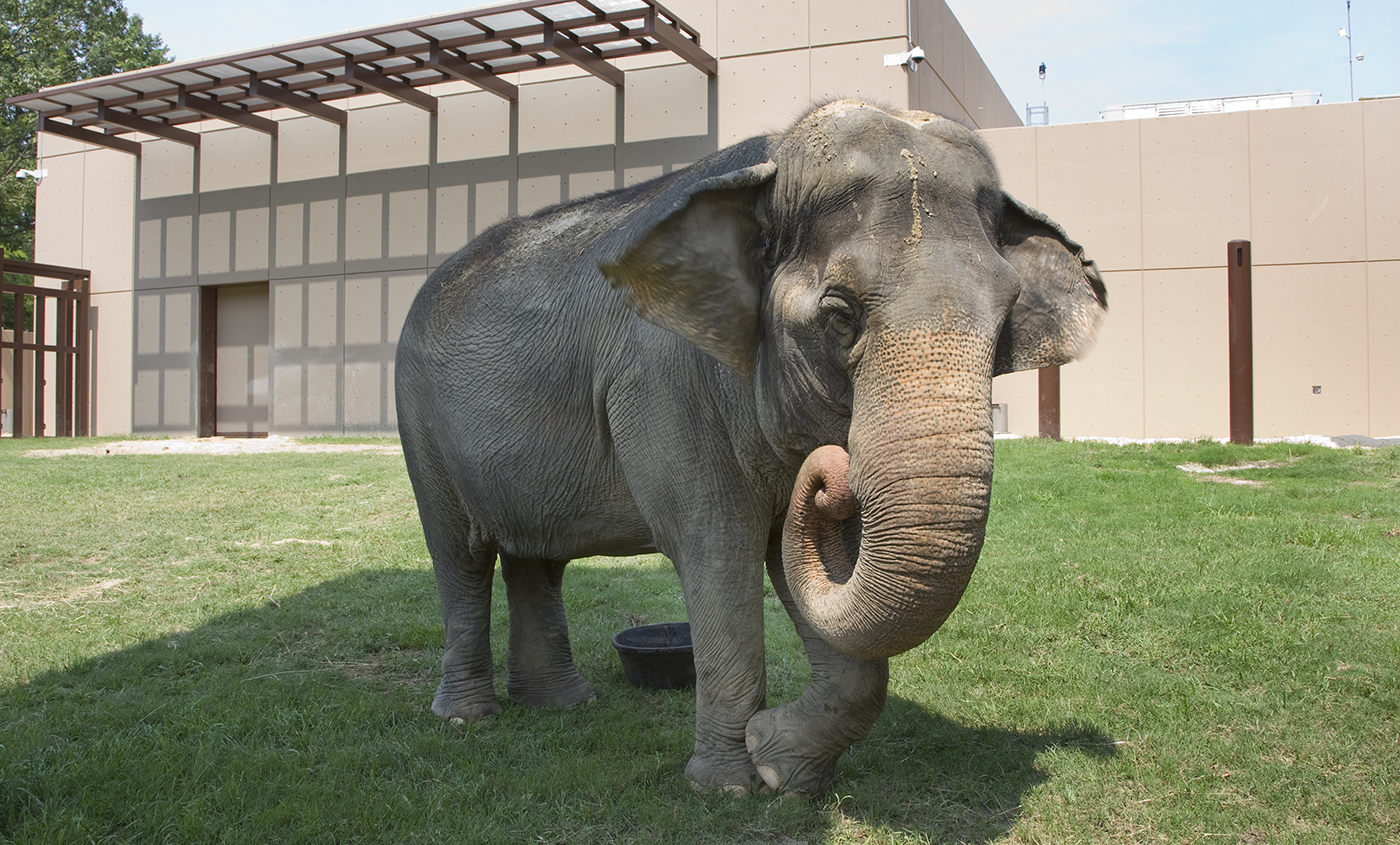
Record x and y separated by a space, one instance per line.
926 774
307 720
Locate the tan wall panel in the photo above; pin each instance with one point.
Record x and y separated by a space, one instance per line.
234 158
1310 329
1195 188
163 398
364 227
1020 393
57 145
1382 136
666 102
408 223
762 94
833 23
1014 153
1186 340
566 114
1308 184
215 242
109 178
58 205
1102 395
1383 333
306 356
858 71
110 319
250 251
762 26
167 169
475 125
386 137
452 217
1091 183
538 192
307 148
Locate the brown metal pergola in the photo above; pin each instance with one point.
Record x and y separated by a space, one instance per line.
480 46
71 348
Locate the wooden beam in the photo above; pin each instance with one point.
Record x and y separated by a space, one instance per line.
452 66
210 107
89 136
365 77
297 102
675 41
570 49
126 120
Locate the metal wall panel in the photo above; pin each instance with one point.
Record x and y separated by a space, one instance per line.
307 148
666 102
762 26
1310 325
567 114
1195 189
749 107
234 158
1308 188
472 126
167 169
1382 138
386 137
858 70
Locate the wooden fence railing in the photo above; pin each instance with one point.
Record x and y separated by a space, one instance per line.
28 351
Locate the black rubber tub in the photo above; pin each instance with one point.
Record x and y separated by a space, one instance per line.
657 656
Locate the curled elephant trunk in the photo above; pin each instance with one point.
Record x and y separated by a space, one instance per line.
919 474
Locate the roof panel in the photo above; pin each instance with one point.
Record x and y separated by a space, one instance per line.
401 51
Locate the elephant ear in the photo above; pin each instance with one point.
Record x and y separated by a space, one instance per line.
690 267
1063 301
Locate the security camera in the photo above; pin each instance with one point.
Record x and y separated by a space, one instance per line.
910 59
36 175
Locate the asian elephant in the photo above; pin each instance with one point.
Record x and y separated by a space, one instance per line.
781 353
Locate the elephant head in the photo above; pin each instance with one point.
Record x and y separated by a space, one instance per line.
868 279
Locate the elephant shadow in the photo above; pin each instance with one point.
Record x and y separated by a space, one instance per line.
938 778
251 690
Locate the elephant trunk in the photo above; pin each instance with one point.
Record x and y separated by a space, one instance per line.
919 475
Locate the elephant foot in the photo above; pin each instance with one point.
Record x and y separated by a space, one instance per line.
733 774
456 704
568 694
781 743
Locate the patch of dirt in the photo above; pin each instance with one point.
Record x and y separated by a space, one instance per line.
407 668
83 594
214 446
1219 476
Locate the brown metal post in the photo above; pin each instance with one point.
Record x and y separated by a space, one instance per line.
207 422
1049 401
40 371
81 421
1240 266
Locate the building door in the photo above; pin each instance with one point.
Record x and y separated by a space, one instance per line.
239 360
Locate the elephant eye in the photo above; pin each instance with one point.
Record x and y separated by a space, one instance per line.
842 319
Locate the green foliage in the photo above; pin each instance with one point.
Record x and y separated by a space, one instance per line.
1143 655
47 43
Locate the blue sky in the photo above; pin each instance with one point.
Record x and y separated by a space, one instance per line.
1097 52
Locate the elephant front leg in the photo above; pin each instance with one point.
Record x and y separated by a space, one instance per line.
795 747
726 625
540 661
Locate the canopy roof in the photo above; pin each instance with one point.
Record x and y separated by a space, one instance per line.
479 46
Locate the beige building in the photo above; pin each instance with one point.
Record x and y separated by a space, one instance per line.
255 250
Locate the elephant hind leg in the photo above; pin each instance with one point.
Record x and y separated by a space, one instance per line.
795 747
467 691
540 660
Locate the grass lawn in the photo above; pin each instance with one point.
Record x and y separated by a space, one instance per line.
243 649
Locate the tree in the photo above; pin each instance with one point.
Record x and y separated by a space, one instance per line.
46 43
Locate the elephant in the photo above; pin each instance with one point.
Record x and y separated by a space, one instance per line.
779 357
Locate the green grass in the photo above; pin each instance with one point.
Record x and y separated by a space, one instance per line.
1143 656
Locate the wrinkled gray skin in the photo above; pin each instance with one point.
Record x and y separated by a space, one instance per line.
783 353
